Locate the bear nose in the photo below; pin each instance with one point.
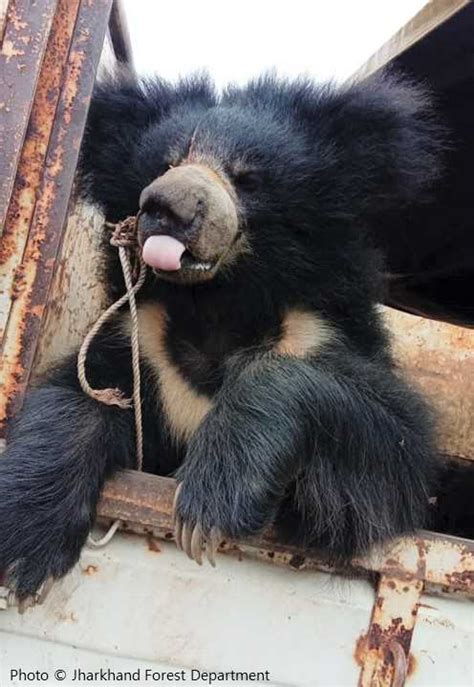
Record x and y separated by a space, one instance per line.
168 208
158 217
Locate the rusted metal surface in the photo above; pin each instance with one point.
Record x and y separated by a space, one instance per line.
24 38
439 358
406 568
46 213
387 644
144 504
442 561
77 295
33 157
409 567
140 499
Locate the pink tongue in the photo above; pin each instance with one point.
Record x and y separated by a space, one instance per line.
163 253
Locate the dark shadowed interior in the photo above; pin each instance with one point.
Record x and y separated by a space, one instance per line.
430 249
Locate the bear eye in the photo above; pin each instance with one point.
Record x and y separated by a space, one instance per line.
249 181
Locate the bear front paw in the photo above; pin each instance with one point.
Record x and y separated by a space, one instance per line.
206 513
27 575
36 547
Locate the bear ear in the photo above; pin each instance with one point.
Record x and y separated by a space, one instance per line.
121 110
377 144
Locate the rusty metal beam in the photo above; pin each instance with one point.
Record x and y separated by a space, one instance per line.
48 182
144 503
439 358
33 157
24 38
387 644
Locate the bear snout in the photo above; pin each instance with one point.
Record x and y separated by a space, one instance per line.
193 205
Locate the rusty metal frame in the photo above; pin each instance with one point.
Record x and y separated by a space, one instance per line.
143 503
405 568
24 39
44 177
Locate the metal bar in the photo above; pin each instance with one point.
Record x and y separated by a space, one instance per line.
24 37
143 503
46 228
33 157
388 641
439 358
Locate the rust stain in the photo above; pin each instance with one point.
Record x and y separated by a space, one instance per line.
24 198
297 561
153 544
384 651
463 578
362 648
412 664
231 549
39 201
90 570
440 560
145 501
439 358
25 32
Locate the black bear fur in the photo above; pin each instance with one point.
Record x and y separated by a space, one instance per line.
335 447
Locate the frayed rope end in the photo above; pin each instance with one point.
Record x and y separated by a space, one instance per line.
111 397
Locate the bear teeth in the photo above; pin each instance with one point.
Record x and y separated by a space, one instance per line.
201 266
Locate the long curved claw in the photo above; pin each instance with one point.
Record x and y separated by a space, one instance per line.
212 544
192 540
25 603
175 502
186 539
178 531
196 544
44 590
177 522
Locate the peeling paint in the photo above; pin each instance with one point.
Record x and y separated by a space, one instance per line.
39 202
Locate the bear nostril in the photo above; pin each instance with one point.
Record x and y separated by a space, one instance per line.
157 218
152 206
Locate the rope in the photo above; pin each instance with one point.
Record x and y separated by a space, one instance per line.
103 541
124 238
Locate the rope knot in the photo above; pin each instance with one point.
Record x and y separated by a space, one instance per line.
125 233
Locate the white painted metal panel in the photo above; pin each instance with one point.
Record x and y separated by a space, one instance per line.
129 607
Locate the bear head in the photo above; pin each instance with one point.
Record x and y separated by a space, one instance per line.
275 176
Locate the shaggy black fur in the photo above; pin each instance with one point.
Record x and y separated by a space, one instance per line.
337 442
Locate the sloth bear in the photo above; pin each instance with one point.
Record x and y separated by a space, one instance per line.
268 387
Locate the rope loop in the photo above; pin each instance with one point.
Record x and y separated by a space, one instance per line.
124 238
103 541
